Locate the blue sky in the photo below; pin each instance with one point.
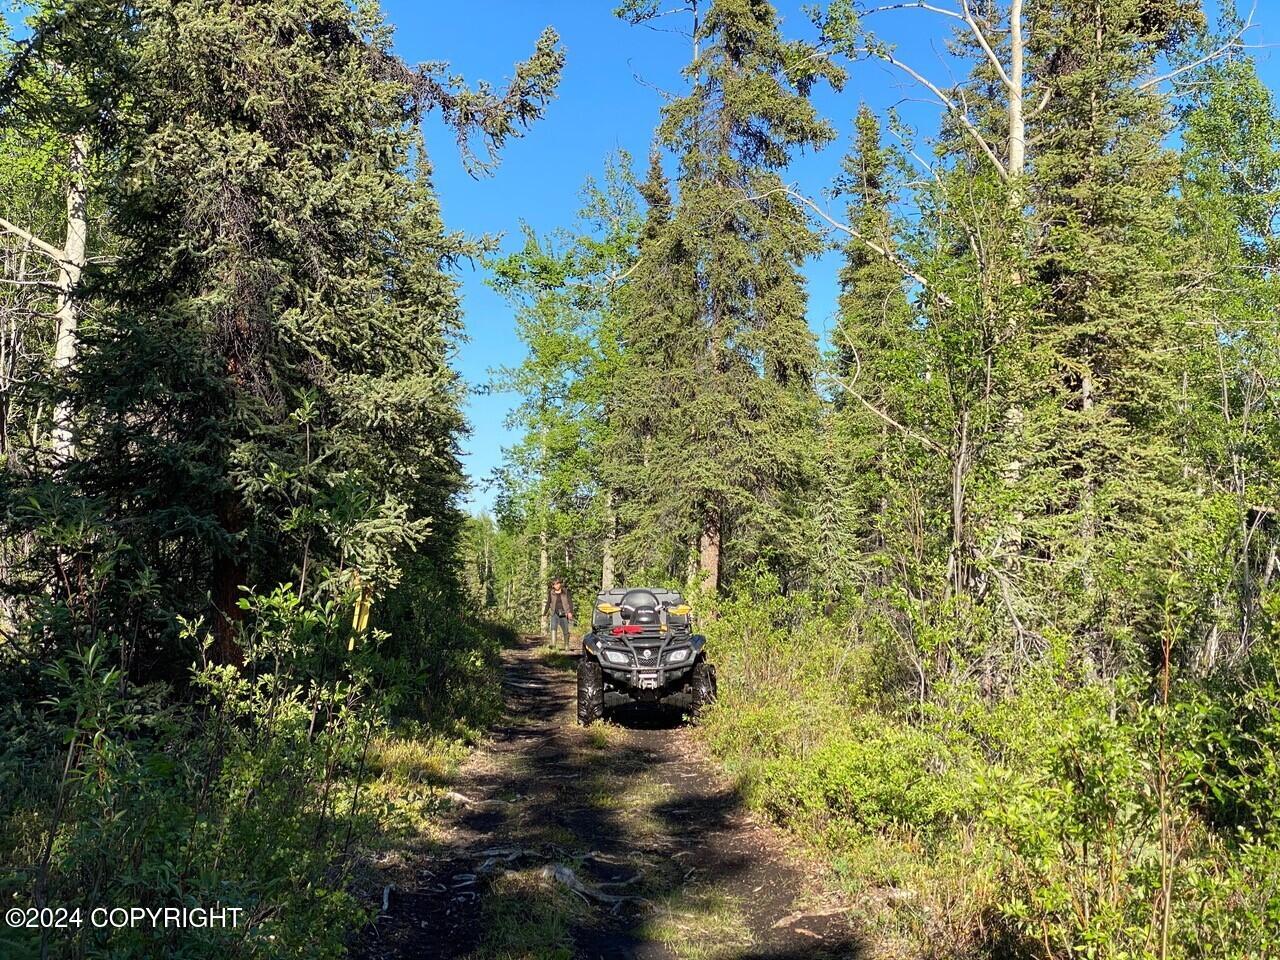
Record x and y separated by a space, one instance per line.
607 101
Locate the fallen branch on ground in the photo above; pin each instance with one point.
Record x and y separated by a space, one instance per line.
567 878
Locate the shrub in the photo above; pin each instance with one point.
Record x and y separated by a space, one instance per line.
250 789
875 774
1065 818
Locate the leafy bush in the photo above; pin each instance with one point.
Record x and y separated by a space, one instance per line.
1066 818
252 790
874 775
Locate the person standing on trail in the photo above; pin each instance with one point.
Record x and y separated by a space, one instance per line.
559 608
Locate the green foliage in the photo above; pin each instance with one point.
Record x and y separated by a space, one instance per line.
994 606
870 779
265 426
557 495
1044 818
995 638
243 796
720 361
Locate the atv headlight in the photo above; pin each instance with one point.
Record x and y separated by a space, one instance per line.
678 656
616 656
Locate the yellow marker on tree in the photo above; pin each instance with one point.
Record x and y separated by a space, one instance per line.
360 616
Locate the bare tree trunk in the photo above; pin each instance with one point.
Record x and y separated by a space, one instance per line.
543 559
71 268
709 551
610 533
1017 150
697 25
542 573
488 595
1017 115
959 565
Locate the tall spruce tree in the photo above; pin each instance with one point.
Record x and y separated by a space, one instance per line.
1108 331
874 359
264 394
657 374
734 440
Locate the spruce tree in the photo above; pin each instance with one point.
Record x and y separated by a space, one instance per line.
734 441
264 394
1108 331
656 374
871 362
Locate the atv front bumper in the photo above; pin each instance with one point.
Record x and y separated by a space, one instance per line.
642 683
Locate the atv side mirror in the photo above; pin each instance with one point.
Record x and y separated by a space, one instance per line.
627 612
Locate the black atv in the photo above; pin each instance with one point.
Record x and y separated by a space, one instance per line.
642 648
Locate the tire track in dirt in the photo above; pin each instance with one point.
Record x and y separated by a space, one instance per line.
614 841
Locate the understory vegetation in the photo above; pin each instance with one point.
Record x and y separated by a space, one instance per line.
1060 818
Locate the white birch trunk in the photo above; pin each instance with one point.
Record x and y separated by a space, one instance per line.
1017 115
71 269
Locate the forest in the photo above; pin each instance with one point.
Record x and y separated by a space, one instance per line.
990 565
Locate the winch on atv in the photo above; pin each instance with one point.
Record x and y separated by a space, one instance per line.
642 648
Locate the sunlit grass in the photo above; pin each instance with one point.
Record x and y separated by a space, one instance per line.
414 760
405 775
699 924
527 916
602 735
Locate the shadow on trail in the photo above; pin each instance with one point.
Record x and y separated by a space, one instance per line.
612 841
646 716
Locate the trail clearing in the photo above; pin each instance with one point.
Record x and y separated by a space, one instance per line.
614 841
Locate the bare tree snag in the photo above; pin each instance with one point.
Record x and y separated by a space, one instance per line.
71 260
71 269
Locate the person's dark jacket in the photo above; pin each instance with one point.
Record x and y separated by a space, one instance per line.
559 603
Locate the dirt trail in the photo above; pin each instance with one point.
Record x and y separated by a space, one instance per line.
670 864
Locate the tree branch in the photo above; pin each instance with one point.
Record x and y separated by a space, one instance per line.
915 6
1044 102
49 284
906 431
986 47
1217 54
950 104
46 248
877 248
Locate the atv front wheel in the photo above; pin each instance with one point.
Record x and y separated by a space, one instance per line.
702 686
590 690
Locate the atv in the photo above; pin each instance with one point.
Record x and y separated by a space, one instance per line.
642 648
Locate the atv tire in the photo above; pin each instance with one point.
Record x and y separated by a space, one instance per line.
702 686
590 690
